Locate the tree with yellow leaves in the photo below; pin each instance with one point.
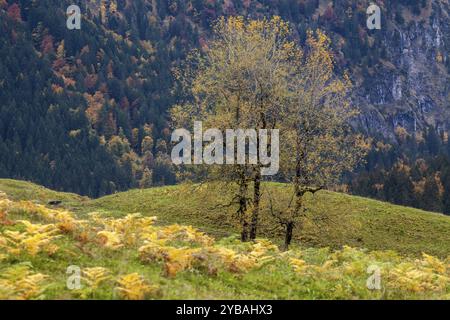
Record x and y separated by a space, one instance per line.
240 82
318 144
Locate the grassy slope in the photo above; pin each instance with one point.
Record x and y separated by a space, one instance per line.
375 224
22 190
335 219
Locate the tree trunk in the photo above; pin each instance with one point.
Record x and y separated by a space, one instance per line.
256 203
244 232
242 210
288 235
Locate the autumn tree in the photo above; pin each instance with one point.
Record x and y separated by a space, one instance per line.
240 81
14 12
146 180
431 197
317 141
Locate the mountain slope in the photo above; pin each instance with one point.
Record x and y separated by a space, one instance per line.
335 219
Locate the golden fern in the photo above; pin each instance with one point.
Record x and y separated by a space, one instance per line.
110 239
94 277
19 283
134 287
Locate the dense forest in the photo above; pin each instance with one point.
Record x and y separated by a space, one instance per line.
415 172
86 110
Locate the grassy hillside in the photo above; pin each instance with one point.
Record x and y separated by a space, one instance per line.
334 219
131 257
22 190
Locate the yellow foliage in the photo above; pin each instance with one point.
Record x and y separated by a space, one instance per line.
128 230
134 287
110 239
38 228
3 242
298 265
185 234
428 274
32 243
241 262
95 276
433 264
180 259
35 238
151 252
19 283
5 204
175 259
63 219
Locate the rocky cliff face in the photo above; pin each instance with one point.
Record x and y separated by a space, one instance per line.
410 87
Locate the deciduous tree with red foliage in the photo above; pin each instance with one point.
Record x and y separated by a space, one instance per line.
14 12
47 44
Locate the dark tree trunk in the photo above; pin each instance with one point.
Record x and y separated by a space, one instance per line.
288 235
244 232
242 210
256 203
